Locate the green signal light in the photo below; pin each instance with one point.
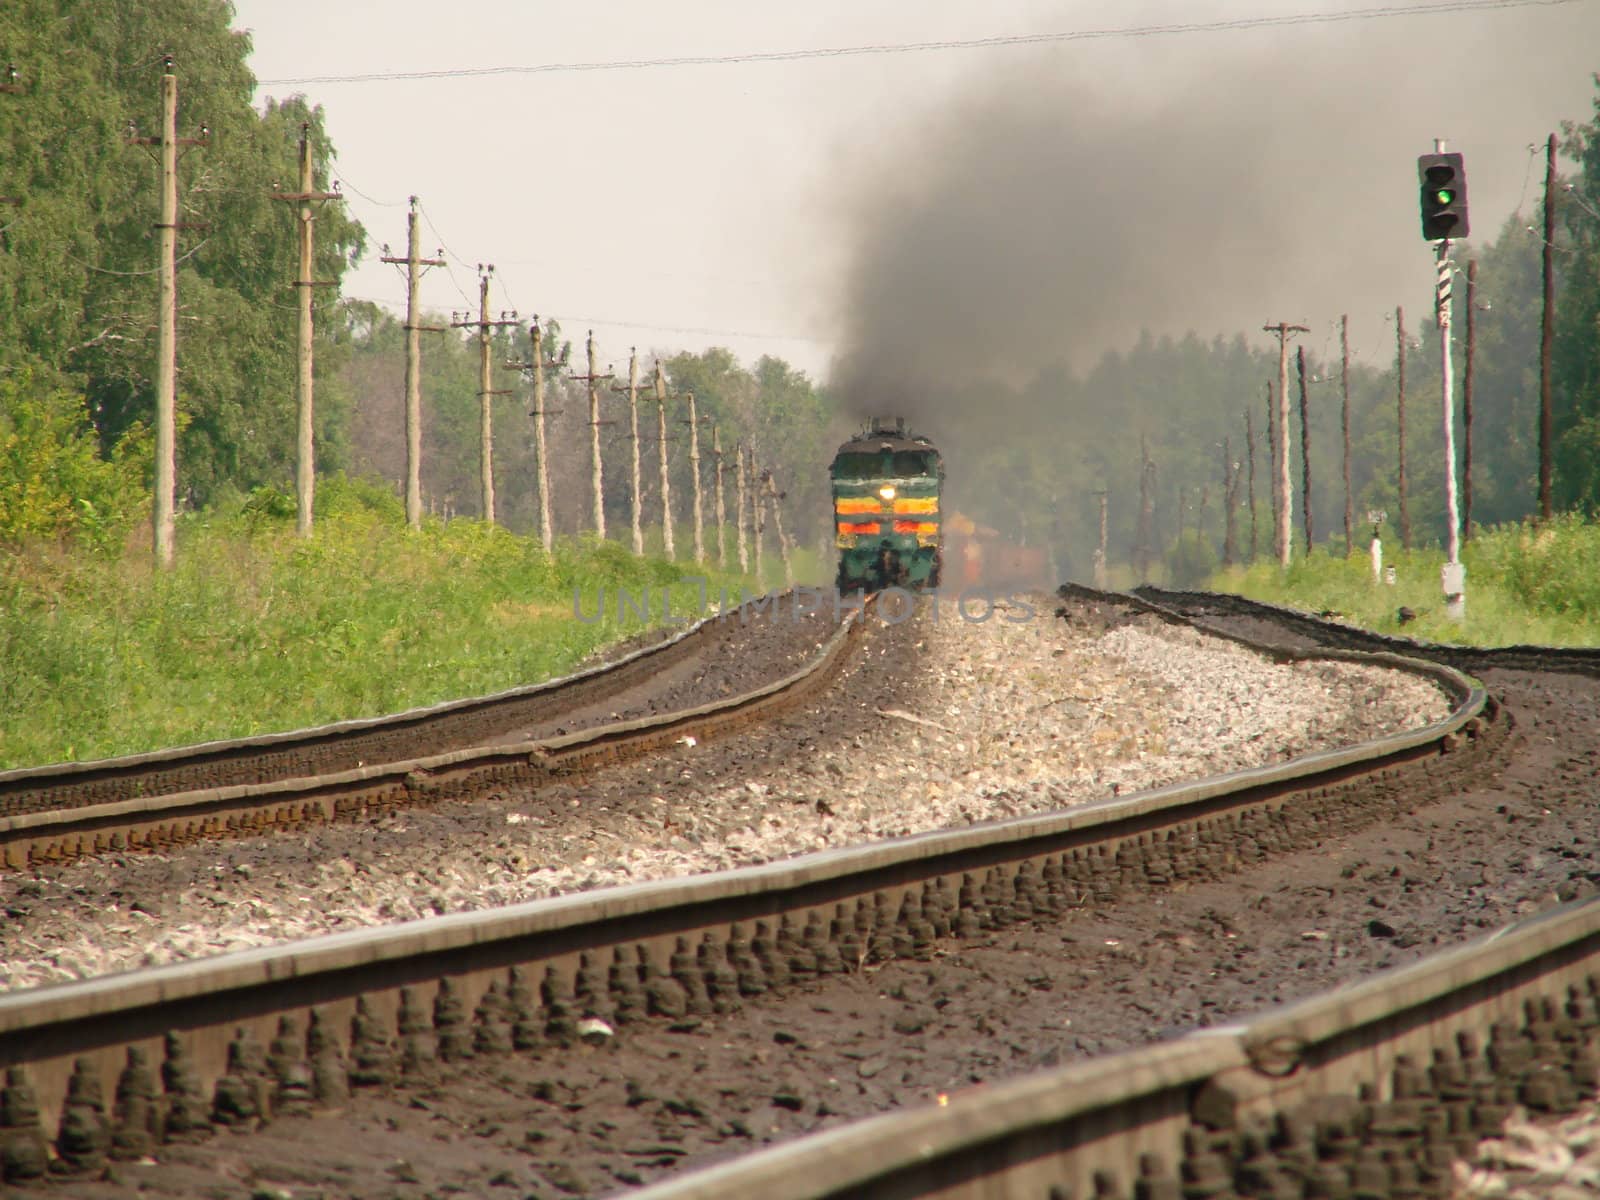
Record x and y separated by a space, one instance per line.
1444 196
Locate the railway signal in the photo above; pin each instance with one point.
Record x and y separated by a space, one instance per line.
1444 216
1444 196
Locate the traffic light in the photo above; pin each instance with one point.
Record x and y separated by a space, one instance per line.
1444 196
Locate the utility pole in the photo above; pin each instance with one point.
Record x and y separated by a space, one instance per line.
1466 402
738 513
694 474
722 516
596 467
1547 335
1100 550
1250 449
305 464
755 506
414 331
1305 446
633 432
164 517
1272 452
1344 416
538 366
486 394
1285 515
1230 488
666 481
1405 512
773 496
1145 537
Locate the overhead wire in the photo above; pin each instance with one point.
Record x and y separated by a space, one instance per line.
1229 25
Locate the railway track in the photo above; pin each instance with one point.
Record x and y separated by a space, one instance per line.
362 1009
1373 1089
358 768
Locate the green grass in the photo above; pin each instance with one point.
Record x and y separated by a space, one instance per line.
255 630
1523 586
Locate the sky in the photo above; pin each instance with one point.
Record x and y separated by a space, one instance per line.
1212 180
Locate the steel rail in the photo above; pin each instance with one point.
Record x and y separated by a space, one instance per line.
718 935
1577 660
343 745
1373 1089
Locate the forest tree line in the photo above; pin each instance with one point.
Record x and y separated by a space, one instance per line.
77 348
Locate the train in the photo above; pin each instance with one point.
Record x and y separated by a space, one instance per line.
886 484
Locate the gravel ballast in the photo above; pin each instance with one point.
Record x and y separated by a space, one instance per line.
943 722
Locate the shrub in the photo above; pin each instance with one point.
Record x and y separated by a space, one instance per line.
54 482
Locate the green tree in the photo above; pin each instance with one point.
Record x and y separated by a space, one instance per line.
1576 359
78 283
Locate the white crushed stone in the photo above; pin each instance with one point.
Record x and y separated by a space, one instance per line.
1013 717
1528 1161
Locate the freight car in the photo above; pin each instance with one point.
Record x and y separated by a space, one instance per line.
886 485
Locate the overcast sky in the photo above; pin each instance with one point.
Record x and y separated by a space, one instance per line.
687 206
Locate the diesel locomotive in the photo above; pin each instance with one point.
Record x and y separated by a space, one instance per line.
886 485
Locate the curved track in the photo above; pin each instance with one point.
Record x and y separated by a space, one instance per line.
517 714
288 781
1373 1089
527 974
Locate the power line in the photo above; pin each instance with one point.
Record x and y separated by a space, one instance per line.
1233 25
607 322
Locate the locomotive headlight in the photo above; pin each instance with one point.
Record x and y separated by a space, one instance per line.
887 491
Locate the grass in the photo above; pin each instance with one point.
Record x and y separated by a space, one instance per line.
255 630
1524 585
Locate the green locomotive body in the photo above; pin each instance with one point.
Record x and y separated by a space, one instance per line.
887 523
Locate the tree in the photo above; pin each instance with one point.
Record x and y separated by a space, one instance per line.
1576 357
78 278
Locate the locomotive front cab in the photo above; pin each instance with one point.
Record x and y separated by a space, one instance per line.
886 509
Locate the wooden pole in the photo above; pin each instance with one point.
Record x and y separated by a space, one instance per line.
596 465
1547 334
777 525
546 527
1400 354
1305 447
486 391
1145 536
485 405
413 375
1344 419
305 464
1230 479
661 445
1100 548
755 508
167 333
722 516
1250 454
694 475
1283 519
739 507
633 430
305 284
413 265
1272 451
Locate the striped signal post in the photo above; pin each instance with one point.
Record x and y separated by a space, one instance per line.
1452 576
